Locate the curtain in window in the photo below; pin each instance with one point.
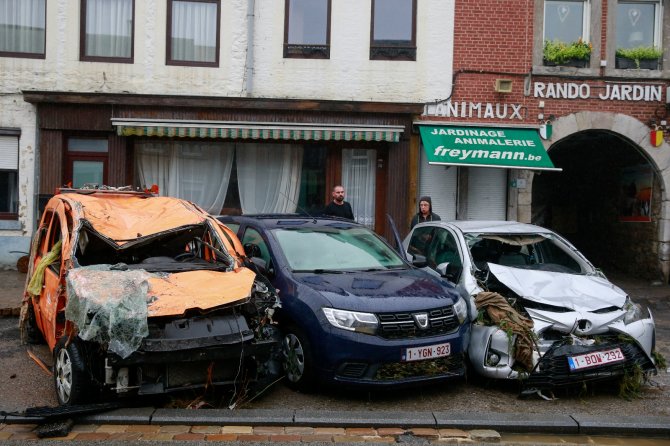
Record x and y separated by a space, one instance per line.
268 176
195 171
358 180
194 31
109 25
22 24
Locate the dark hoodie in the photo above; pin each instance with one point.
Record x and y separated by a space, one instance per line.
418 218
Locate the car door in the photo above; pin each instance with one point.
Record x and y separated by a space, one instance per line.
50 302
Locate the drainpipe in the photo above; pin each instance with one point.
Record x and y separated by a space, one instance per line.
249 65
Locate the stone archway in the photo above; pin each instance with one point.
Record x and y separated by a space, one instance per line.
636 134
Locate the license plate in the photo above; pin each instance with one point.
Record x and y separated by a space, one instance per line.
595 359
427 352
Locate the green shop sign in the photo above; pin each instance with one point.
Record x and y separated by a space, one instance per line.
505 147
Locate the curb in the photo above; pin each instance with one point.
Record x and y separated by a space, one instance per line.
501 422
10 312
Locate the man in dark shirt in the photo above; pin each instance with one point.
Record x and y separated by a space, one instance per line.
338 207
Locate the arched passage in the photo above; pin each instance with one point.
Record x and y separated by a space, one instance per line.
599 200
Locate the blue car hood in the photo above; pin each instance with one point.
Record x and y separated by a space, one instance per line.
405 290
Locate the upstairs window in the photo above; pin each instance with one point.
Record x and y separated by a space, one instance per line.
107 30
393 30
22 28
566 21
307 29
638 24
193 32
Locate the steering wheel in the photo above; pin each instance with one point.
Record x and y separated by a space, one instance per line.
184 256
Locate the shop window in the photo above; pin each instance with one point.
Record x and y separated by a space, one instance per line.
23 28
307 29
86 161
359 180
107 30
9 172
193 32
638 33
393 30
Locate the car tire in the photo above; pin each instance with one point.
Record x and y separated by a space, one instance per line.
30 334
72 381
297 360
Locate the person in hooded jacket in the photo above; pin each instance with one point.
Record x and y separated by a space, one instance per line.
425 212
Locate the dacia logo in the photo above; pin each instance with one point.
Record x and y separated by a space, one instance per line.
421 320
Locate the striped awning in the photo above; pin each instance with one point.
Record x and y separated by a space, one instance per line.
256 130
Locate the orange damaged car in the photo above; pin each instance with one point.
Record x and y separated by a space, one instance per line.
137 294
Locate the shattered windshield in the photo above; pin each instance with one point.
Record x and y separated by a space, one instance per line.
186 248
335 249
542 252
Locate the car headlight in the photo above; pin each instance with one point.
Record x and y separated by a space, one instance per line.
633 312
461 309
352 320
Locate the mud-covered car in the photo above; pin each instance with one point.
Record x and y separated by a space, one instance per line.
542 312
353 312
140 294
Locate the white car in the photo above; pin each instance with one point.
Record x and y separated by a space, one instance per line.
541 311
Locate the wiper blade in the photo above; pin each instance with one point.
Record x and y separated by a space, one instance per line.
320 271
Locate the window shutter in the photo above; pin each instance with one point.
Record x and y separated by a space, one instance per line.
9 152
440 184
487 194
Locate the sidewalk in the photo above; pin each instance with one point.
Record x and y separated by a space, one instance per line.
11 292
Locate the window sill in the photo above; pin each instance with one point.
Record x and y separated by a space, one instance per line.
306 51
565 71
393 53
9 224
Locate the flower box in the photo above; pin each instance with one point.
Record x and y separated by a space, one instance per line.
624 63
579 63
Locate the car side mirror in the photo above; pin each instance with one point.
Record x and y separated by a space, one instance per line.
263 267
449 271
419 261
252 250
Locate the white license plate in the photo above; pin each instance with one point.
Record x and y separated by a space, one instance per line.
595 359
427 352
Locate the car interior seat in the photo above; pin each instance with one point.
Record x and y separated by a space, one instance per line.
511 256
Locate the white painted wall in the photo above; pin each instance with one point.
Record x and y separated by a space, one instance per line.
347 75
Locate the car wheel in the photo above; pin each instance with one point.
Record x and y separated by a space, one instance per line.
30 334
297 360
72 380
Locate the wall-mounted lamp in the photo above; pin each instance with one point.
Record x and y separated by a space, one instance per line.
503 86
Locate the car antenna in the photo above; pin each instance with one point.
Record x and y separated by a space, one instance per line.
304 211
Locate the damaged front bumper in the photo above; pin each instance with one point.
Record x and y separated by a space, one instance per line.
196 352
491 354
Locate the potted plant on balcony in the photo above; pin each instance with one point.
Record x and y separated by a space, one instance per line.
641 57
574 54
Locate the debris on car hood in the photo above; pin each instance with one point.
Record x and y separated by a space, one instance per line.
111 306
502 314
573 291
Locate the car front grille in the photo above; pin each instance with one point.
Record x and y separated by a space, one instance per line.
451 366
553 369
406 324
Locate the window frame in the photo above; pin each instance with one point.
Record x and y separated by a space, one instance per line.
168 37
586 20
24 55
658 19
393 52
82 40
14 133
306 51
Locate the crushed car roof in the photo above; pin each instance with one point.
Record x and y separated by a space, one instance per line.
125 217
495 226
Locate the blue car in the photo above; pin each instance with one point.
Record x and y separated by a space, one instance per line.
352 310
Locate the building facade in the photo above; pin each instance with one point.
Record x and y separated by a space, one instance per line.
239 106
602 119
